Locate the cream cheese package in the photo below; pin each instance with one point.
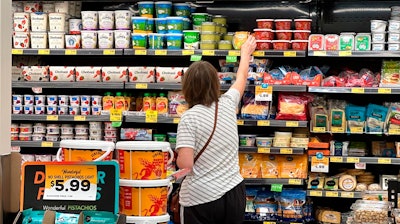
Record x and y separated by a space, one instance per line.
114 74
62 73
88 74
141 74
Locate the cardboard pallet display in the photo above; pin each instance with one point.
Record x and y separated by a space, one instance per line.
70 187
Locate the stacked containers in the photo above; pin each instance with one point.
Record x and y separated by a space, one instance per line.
85 150
144 188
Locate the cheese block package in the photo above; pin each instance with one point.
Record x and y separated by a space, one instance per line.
250 165
293 166
316 182
293 106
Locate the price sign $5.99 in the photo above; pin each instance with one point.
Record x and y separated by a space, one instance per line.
71 182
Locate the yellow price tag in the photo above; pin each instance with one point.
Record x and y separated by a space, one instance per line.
356 130
353 160
141 86
47 144
160 52
52 117
79 118
43 51
109 52
357 90
17 51
345 53
295 182
264 150
394 131
151 116
258 53
337 130
115 115
75 182
187 52
319 129
289 54
269 222
347 194
385 90
263 123
70 52
335 159
316 193
208 52
140 52
240 122
176 120
234 53
292 123
332 194
385 161
319 53
286 151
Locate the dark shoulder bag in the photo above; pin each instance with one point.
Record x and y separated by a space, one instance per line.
174 205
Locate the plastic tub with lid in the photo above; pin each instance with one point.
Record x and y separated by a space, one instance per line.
161 219
143 160
85 150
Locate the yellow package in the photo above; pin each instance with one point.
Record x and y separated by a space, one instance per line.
250 165
269 166
293 166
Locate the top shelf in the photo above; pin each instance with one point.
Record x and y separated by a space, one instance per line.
152 52
360 54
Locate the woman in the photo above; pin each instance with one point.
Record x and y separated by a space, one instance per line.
214 192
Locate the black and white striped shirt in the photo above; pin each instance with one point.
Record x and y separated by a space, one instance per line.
217 169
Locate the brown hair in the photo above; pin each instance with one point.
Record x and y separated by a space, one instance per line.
200 84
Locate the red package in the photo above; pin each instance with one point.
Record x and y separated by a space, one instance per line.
293 106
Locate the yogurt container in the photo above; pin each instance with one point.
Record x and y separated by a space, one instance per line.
75 26
56 40
67 137
74 100
61 7
150 25
363 42
146 8
25 137
25 128
283 24
67 129
85 100
38 137
62 110
394 37
17 109
52 138
122 39
378 25
28 109
17 99
52 99
156 40
32 6
105 39
264 141
106 20
96 100
96 110
51 110
182 9
22 21
394 46
139 41
89 39
346 42
29 99
72 41
89 20
163 9
199 18
247 140
39 109
73 110
48 7
39 40
191 39
123 19
394 26
21 39
378 37
85 110
39 128
57 22
174 40
14 128
139 23
161 25
39 22
40 100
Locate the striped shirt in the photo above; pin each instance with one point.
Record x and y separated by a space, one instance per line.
217 169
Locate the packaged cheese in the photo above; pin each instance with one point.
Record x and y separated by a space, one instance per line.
347 183
293 166
250 165
269 166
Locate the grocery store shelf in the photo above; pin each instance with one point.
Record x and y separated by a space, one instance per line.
272 123
67 51
69 85
184 52
160 119
264 181
367 160
272 150
37 117
334 194
35 144
270 222
354 53
355 131
354 90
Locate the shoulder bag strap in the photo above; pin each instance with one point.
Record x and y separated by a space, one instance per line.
212 133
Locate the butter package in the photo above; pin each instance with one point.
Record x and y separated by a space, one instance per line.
62 73
169 74
141 74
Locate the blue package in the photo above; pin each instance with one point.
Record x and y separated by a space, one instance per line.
376 116
355 116
291 202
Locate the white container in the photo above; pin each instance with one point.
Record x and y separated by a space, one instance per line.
74 100
72 41
48 7
39 128
17 7
85 110
106 20
53 129
378 37
147 219
39 22
32 6
38 40
394 46
67 137
88 74
40 109
62 110
122 39
37 137
17 109
264 141
52 100
112 134
67 129
57 22
17 99
123 19
51 110
39 100
21 39
62 74
282 134
25 137
394 25
14 128
247 140
28 109
52 138
96 110
95 132
81 137
105 39
29 99
378 46
56 40
378 25
89 39
22 21
73 110
75 26
114 74
96 100
85 100
89 20
95 138
25 128
95 125
394 37
61 7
